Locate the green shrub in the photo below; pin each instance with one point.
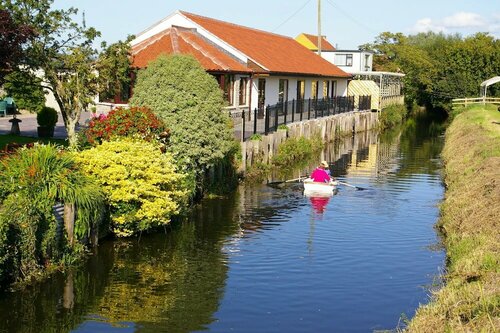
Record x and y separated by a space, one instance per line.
32 181
140 122
142 184
295 150
190 102
256 137
391 116
47 117
283 127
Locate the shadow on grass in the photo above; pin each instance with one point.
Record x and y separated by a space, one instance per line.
9 138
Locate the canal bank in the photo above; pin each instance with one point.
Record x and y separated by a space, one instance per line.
267 259
470 299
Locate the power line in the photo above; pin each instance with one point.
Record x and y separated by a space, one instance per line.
351 17
291 16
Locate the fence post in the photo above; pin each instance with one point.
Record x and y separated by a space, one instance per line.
286 112
293 109
309 109
243 126
255 121
301 108
275 118
266 121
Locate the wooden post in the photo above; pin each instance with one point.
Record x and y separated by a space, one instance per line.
69 222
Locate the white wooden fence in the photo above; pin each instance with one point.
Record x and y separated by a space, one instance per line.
457 102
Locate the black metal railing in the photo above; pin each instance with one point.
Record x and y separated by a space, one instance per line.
297 110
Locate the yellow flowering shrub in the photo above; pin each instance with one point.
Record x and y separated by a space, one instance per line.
142 185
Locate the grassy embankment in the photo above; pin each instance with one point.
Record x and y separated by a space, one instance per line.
470 222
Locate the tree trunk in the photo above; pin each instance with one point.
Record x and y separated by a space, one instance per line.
69 222
71 130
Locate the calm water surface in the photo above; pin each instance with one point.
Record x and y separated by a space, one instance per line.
268 259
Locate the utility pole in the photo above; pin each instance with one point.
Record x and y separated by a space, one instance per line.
319 28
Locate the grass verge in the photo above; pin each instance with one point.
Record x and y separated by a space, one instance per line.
470 224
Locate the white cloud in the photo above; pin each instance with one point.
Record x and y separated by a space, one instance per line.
459 22
464 20
426 25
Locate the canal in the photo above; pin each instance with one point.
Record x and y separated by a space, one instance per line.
268 259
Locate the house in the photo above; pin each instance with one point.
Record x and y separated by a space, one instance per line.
350 61
311 42
254 68
385 88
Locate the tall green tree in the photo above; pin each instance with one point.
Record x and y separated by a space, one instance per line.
114 70
189 100
62 50
438 67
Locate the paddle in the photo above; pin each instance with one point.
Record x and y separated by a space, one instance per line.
287 181
349 185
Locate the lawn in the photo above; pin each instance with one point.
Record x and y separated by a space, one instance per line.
9 138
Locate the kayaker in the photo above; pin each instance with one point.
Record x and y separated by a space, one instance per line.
320 175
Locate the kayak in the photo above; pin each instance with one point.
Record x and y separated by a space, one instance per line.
311 187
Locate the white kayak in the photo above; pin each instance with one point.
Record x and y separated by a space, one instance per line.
311 187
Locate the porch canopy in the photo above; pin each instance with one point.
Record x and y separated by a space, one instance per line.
489 82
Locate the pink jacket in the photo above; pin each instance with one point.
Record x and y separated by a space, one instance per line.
319 175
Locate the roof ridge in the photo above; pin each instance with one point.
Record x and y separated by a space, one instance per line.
236 25
149 41
204 52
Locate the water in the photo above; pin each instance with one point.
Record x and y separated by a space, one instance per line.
268 259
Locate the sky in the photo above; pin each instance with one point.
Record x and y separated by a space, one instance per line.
346 24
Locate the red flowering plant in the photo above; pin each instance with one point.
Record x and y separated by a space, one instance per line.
136 121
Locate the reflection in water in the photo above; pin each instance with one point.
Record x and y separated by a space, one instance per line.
319 203
267 259
157 283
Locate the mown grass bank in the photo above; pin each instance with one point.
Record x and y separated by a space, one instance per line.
469 301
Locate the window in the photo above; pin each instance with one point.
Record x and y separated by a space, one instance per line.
348 60
367 62
262 94
300 89
314 89
243 91
228 88
343 59
283 91
334 89
326 89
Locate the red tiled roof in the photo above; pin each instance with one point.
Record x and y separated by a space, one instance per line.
278 54
325 45
185 41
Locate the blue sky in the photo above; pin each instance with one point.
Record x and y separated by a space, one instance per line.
345 23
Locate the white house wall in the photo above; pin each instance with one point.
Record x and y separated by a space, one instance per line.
272 88
358 60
